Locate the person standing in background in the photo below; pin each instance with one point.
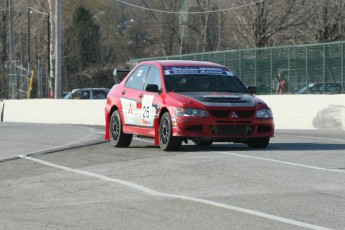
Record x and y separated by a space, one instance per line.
283 86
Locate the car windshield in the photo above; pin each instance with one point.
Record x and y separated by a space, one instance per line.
204 82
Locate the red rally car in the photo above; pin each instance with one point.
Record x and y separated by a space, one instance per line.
176 101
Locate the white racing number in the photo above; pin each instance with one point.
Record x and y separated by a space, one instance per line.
148 113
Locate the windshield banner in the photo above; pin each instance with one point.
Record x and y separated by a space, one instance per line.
171 70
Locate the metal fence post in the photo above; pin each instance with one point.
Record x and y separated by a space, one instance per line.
289 70
306 65
342 67
271 70
239 64
255 67
324 67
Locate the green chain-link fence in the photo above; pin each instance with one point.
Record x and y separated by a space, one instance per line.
300 65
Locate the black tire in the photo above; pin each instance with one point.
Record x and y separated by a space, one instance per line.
202 143
117 137
167 141
258 143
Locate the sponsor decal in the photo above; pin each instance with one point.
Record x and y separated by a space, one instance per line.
139 113
197 70
128 111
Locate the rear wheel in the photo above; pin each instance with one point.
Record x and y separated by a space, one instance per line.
167 141
258 143
117 137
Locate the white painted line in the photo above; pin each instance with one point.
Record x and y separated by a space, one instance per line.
283 162
156 193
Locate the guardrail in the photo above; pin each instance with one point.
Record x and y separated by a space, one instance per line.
290 111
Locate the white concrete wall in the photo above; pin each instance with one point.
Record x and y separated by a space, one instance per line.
55 111
290 111
307 111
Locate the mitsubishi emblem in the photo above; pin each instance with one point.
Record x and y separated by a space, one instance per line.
234 115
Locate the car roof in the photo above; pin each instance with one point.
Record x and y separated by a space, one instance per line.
166 63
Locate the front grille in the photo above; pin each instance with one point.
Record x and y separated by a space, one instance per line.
231 130
219 113
228 113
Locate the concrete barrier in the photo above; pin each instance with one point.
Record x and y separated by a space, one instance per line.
307 111
290 111
55 111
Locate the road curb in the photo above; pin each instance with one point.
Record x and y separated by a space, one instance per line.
9 159
52 150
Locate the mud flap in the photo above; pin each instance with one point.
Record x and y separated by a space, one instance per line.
156 125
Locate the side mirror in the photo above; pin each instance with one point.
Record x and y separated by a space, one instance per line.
152 88
252 89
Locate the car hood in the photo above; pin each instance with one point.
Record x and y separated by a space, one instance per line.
215 99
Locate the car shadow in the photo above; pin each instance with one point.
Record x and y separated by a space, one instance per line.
270 147
276 146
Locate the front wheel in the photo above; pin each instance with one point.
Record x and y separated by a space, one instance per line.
167 141
117 137
258 143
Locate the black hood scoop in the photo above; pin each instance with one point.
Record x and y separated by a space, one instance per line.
223 98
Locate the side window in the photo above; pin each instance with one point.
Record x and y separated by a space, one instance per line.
319 89
77 94
99 94
153 77
136 80
85 94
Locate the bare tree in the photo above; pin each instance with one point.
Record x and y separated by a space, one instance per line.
258 24
3 48
166 33
182 26
330 16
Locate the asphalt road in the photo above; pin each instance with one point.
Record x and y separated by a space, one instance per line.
67 177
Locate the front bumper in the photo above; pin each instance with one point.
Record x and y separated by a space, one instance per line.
200 127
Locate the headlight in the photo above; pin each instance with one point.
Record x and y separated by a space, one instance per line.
264 113
180 112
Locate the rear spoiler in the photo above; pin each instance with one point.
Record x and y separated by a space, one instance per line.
117 79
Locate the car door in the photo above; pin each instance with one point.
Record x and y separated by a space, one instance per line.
151 101
132 95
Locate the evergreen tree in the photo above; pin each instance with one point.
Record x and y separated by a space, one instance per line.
82 42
